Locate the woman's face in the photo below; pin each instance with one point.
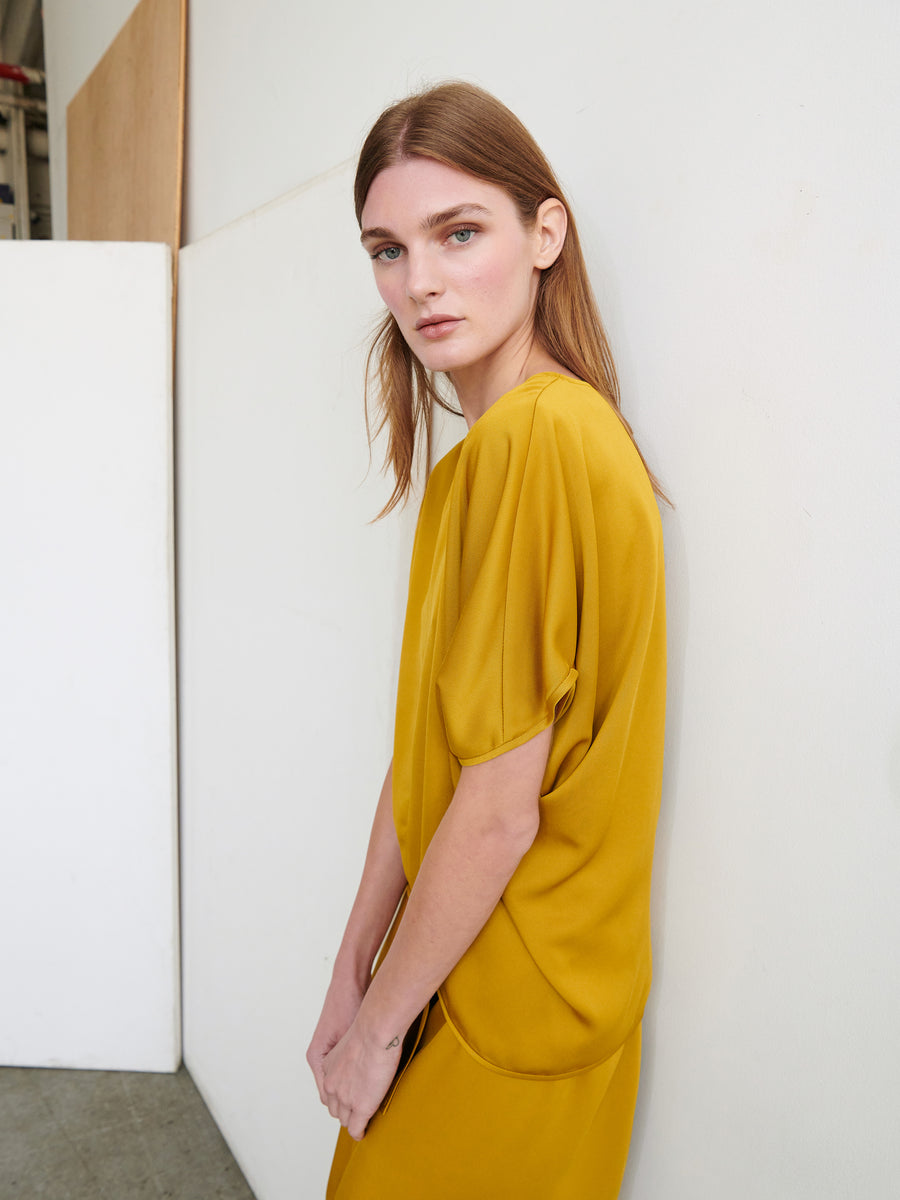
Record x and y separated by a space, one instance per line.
453 263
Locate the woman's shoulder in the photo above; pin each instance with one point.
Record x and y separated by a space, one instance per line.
551 409
562 426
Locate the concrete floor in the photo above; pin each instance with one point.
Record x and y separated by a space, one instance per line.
110 1135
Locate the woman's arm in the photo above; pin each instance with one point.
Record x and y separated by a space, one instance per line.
376 902
490 824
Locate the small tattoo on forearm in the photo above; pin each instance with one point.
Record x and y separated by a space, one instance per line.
391 1045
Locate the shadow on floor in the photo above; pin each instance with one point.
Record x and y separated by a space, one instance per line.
110 1135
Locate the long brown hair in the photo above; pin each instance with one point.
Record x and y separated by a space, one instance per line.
466 127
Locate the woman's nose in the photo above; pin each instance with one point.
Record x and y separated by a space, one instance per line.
422 278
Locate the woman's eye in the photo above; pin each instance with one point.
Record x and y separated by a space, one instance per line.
387 254
462 236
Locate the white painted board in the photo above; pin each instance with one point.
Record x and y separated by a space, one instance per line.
290 604
88 856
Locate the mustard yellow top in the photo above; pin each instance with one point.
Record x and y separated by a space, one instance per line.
536 596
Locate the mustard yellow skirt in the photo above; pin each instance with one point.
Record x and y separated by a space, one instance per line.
452 1129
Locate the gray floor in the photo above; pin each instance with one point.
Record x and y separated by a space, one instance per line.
110 1135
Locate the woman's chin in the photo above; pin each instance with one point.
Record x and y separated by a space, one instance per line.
441 359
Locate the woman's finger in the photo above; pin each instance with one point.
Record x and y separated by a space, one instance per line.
356 1127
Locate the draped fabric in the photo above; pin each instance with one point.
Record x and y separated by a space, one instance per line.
537 597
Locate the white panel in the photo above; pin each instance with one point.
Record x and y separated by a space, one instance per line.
88 940
735 171
289 619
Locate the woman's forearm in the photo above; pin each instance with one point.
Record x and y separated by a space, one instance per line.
379 892
489 826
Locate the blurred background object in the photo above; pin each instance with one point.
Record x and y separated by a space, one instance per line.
24 167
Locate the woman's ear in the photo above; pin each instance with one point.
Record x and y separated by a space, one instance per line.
550 228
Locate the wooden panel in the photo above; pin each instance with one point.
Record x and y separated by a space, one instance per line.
125 133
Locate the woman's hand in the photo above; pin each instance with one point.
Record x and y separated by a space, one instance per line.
356 1076
376 902
339 1011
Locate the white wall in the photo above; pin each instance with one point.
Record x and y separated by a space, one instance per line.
736 175
88 878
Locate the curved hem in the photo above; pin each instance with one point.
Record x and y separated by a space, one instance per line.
536 1077
559 699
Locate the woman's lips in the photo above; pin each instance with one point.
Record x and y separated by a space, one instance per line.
437 326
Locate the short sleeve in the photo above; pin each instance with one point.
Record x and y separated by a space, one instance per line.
509 668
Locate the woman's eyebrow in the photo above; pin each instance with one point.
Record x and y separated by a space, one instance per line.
452 214
431 221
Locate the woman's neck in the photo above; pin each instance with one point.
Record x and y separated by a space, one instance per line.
478 387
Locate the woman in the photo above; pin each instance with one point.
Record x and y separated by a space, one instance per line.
495 1052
